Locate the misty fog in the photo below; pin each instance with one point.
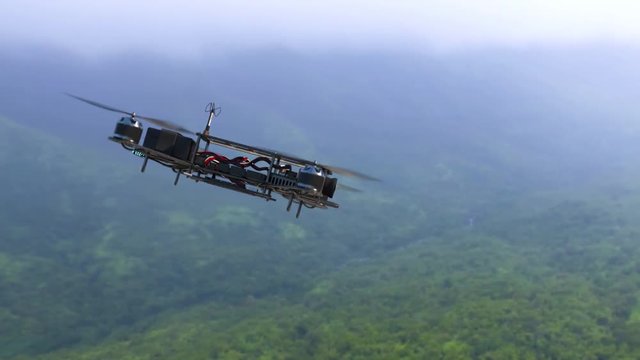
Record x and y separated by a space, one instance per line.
508 188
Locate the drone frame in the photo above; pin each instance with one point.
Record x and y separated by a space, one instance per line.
264 187
310 186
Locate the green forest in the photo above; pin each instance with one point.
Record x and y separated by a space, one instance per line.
98 261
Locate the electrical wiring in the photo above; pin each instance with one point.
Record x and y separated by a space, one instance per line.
240 161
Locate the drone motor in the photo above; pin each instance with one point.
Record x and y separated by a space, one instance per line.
315 180
128 129
311 178
329 187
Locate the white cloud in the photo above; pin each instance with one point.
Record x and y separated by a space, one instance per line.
190 27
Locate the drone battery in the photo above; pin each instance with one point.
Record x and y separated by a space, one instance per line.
256 176
170 143
160 140
183 148
237 171
223 168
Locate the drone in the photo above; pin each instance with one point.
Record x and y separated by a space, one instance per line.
301 182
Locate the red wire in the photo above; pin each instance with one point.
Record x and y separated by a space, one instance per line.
241 161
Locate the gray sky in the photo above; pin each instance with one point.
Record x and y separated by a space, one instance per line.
187 28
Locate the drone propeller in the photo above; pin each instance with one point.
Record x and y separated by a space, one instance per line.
347 172
348 188
163 123
334 169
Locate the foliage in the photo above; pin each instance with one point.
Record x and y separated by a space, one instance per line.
99 263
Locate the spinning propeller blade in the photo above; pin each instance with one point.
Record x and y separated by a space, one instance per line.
347 172
97 104
333 169
167 124
348 188
162 123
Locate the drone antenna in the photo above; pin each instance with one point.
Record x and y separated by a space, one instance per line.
213 112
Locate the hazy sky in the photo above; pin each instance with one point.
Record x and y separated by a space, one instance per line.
190 27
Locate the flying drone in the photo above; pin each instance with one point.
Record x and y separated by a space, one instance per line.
302 182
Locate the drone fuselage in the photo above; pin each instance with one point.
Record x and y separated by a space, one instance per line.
299 181
302 182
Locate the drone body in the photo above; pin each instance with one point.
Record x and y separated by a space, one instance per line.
302 182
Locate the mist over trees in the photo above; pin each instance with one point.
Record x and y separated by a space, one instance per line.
505 226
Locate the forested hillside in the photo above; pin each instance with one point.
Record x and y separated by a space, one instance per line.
505 225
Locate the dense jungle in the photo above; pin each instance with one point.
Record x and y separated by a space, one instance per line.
505 224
